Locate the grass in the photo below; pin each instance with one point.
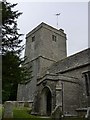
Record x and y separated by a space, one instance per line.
21 113
24 114
0 111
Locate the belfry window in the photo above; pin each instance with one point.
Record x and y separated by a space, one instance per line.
33 38
87 82
54 38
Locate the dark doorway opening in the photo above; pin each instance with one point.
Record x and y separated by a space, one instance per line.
48 102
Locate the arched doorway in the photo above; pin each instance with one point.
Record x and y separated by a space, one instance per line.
46 102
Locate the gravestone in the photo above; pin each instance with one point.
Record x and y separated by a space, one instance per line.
8 109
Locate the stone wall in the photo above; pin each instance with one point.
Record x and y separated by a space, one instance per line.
70 98
41 53
74 66
74 89
51 85
44 45
48 56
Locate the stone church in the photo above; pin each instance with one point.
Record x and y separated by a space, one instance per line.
56 80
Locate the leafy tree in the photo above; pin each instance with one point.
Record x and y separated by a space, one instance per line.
14 70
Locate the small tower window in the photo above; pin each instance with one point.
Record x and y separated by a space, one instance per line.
33 38
87 81
54 38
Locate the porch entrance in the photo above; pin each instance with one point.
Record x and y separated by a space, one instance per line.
46 106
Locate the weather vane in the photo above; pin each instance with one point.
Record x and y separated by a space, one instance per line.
57 18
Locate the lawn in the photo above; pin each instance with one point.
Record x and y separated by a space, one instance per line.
0 111
24 114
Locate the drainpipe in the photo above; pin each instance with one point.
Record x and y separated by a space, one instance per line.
62 97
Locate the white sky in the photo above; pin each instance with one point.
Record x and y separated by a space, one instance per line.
73 19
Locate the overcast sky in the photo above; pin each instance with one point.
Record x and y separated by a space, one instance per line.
73 19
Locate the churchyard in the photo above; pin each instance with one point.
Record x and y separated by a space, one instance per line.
25 113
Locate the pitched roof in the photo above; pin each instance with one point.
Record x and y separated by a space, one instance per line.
72 62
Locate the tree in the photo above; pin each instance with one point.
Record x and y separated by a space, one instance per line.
14 70
13 74
10 36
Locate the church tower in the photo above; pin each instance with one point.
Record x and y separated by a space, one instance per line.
44 46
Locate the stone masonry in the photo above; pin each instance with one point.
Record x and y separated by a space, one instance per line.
56 80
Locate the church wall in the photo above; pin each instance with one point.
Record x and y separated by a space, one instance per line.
44 64
44 45
69 67
52 86
42 52
54 50
27 91
32 50
70 98
77 73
